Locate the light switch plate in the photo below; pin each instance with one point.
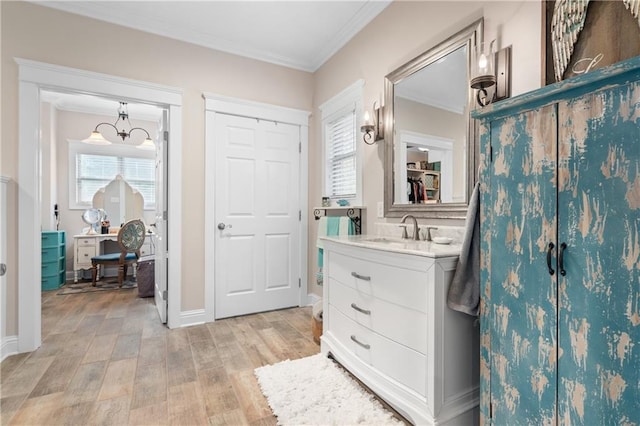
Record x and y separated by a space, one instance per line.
380 209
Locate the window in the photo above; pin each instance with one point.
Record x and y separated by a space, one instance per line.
93 167
340 116
341 157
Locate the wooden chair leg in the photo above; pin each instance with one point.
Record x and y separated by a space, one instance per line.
94 274
121 273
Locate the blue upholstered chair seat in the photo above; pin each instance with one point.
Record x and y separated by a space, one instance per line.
130 239
113 257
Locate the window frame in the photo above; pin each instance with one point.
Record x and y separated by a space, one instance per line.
114 150
347 101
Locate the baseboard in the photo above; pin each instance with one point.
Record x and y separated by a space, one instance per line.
312 298
194 317
9 347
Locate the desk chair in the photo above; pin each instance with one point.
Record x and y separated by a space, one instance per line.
130 239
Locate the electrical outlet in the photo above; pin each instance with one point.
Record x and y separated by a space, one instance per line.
380 209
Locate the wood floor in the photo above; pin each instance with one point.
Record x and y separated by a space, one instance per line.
106 360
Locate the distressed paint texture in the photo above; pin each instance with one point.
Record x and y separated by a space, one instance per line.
565 169
523 343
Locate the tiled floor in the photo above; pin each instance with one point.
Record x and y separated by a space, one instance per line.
107 359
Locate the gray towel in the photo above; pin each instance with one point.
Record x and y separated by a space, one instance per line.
464 292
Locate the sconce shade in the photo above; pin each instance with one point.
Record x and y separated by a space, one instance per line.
96 138
147 145
372 132
482 73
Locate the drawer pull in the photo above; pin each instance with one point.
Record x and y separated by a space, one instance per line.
359 309
364 345
360 277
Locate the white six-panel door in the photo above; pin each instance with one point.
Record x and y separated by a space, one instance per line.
257 244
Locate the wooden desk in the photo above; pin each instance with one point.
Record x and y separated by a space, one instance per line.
87 246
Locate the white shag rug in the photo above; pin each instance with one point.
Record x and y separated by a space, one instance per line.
315 391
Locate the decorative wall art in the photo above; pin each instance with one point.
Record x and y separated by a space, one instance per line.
583 35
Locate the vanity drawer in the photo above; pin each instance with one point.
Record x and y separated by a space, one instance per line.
85 254
399 285
82 242
402 325
145 250
392 359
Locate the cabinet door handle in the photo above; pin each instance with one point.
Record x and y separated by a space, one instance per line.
364 345
359 309
563 246
549 252
360 277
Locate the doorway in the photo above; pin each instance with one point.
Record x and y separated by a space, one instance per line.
123 177
34 77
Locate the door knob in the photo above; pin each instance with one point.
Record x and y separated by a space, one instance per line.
221 226
3 269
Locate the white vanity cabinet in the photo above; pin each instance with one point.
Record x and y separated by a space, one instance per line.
386 320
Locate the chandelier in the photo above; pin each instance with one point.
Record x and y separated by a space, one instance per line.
96 137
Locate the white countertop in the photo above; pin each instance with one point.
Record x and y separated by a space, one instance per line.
398 245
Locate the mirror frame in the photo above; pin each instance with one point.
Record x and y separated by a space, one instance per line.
470 37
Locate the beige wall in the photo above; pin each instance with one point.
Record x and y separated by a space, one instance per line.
42 34
403 31
398 34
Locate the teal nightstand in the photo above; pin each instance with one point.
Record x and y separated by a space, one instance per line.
54 259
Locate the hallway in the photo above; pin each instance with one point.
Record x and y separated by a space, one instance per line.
107 359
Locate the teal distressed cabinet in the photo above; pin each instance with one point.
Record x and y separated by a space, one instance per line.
560 253
54 259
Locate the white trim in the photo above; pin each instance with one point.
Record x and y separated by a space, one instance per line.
4 183
245 108
350 94
9 347
57 76
241 107
193 317
34 76
174 216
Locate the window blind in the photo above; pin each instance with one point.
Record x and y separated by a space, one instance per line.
96 171
341 157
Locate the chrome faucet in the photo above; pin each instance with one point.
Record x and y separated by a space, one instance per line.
427 237
416 233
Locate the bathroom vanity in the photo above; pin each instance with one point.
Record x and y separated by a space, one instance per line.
386 320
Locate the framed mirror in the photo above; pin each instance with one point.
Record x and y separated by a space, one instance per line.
431 150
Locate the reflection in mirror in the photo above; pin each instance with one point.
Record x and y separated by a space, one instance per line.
430 148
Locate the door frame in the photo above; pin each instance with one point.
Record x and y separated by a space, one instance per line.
234 106
32 77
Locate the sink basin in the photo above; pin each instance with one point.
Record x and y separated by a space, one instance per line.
384 240
400 245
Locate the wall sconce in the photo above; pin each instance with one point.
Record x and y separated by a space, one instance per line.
373 132
490 73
